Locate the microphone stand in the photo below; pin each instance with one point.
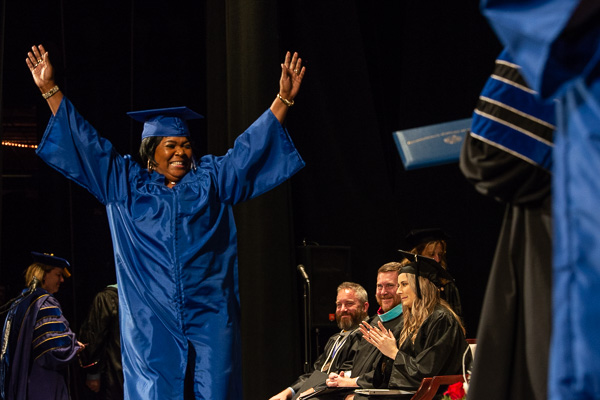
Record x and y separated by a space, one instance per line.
307 343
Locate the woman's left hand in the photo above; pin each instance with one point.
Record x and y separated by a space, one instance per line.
381 338
292 73
340 380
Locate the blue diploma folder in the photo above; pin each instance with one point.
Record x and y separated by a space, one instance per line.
431 145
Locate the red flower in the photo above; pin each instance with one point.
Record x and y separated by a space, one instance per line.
455 391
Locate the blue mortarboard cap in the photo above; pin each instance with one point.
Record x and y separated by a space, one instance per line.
165 121
53 261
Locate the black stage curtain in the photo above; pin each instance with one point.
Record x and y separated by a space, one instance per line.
243 51
373 68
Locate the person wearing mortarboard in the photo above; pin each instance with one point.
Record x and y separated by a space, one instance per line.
173 232
37 343
432 341
432 243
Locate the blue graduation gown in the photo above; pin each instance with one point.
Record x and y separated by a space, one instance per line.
175 249
559 56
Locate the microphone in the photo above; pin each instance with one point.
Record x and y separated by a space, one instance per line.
303 272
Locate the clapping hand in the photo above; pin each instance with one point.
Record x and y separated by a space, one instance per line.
381 338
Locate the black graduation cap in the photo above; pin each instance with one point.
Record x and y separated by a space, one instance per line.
53 261
165 121
427 268
419 236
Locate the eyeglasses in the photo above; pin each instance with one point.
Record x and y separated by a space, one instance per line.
387 287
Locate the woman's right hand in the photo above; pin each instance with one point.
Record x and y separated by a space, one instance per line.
41 69
381 338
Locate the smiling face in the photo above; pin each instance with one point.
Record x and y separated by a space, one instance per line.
349 311
173 157
52 280
406 292
387 284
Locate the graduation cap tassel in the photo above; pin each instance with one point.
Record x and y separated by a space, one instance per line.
417 284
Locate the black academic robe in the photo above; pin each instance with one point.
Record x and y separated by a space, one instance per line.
365 358
508 156
450 294
337 361
513 337
102 355
367 355
438 349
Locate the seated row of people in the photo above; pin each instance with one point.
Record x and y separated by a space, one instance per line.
415 334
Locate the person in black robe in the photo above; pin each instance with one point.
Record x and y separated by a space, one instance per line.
37 343
432 341
352 307
102 355
366 356
432 243
389 314
507 156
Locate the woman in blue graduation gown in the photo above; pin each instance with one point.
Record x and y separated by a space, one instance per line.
173 232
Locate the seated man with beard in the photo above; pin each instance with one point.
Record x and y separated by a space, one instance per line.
351 309
366 356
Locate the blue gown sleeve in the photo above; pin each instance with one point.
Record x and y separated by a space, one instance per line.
73 147
261 158
534 33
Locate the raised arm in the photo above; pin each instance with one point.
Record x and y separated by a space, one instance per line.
42 71
292 73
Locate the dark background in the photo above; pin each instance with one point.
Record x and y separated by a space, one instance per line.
372 68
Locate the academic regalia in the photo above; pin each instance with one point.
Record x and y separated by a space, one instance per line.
449 292
507 156
337 355
40 347
557 45
368 355
438 349
419 238
101 357
175 249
